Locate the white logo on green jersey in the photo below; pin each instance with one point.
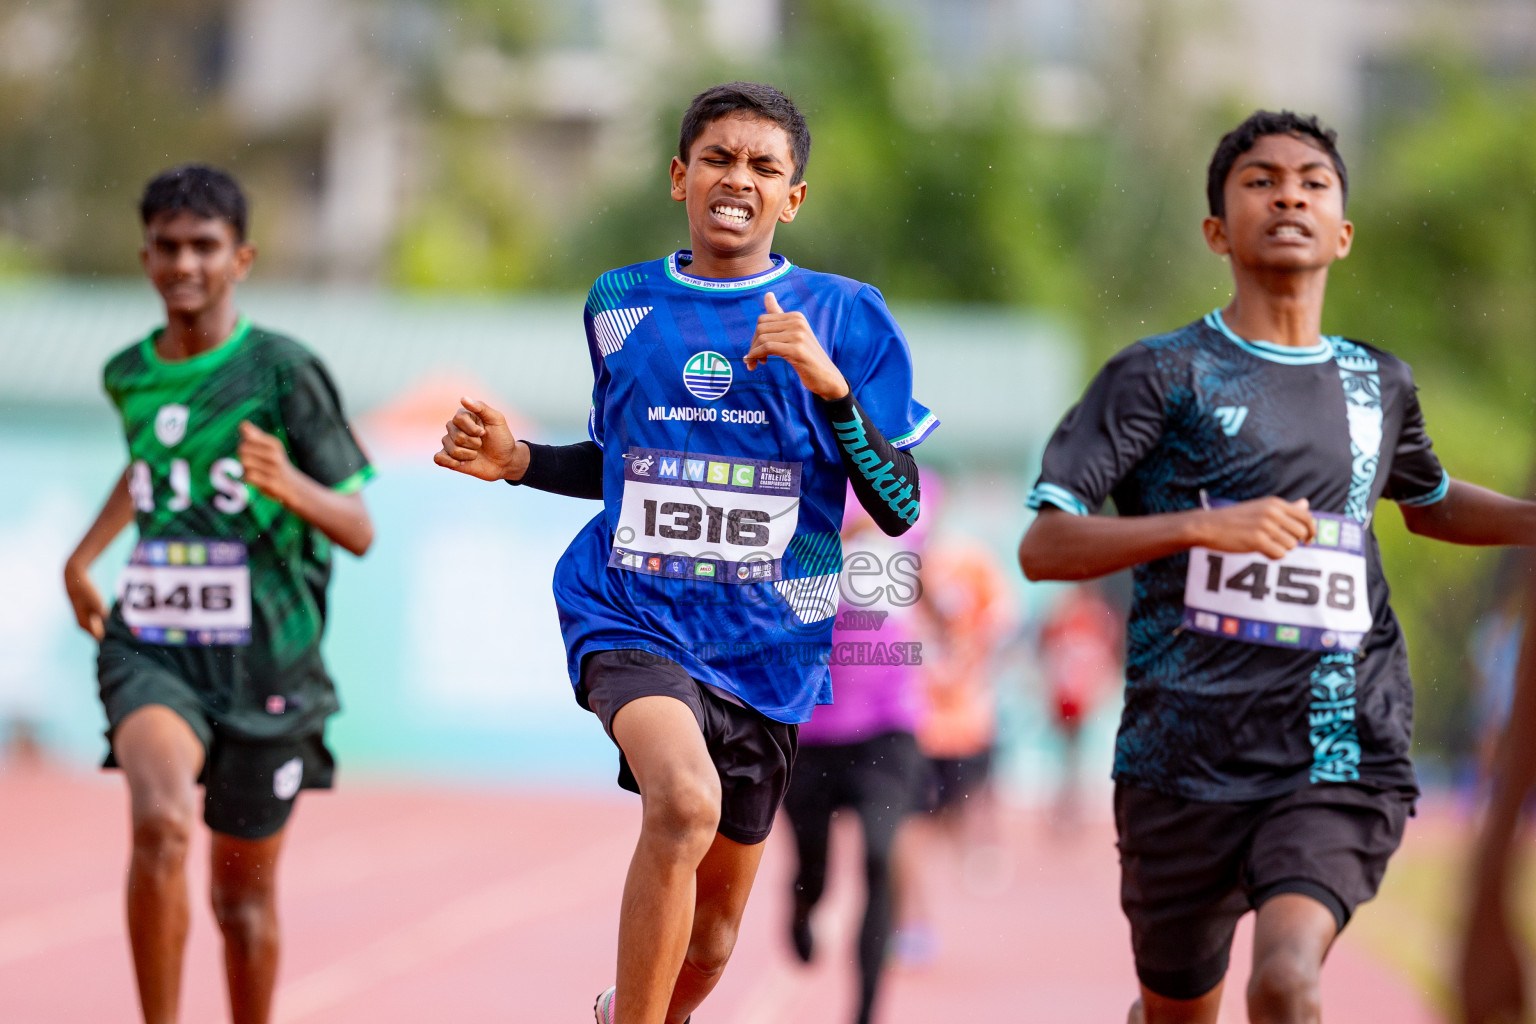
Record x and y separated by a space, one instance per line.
171 424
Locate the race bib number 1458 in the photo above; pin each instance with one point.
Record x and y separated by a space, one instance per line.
1313 598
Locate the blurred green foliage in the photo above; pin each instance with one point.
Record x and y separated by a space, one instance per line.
75 144
929 193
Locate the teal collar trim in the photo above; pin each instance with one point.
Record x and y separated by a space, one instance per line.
781 266
1287 355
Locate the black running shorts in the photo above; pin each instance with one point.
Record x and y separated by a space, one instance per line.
952 781
249 785
1190 869
752 753
883 775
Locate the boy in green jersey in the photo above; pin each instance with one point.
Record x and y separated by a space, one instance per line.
242 474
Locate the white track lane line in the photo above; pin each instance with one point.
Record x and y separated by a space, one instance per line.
60 924
778 995
543 892
100 915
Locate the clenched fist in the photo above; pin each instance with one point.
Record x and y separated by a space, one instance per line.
789 336
267 466
480 444
1270 526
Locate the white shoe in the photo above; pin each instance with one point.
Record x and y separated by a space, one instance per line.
602 1007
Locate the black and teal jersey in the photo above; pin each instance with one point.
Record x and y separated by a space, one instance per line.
196 516
1312 684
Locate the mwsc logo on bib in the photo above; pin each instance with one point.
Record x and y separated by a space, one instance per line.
707 375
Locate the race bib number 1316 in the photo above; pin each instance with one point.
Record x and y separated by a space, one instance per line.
708 518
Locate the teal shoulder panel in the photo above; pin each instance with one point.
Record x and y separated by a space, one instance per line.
609 290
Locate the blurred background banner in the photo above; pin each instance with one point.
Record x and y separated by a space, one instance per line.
435 184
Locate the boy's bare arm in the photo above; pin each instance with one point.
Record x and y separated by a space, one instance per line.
1469 514
1061 546
1491 975
116 513
341 517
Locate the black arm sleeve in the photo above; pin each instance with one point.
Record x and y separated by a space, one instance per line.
574 470
883 476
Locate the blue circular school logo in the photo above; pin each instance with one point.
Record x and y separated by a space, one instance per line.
707 375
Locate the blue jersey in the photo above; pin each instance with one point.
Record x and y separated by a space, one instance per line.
718 545
1247 677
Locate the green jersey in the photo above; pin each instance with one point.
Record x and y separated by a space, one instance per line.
219 565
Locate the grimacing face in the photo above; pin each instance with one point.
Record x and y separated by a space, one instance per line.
736 186
193 261
1284 208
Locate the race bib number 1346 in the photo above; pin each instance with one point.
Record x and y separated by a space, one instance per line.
1314 598
187 592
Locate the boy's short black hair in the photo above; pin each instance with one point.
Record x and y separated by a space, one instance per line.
755 100
205 191
1259 124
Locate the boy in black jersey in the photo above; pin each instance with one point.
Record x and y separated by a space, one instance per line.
1262 760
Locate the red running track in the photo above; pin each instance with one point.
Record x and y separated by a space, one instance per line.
404 904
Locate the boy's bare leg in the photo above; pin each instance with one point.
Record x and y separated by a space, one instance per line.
244 895
724 881
1152 1008
162 758
680 810
1291 937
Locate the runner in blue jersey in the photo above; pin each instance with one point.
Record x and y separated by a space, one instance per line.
736 398
1262 761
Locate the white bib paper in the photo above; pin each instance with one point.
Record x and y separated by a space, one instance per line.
705 517
187 592
1314 598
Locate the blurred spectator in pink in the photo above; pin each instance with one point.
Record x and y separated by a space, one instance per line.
968 612
860 752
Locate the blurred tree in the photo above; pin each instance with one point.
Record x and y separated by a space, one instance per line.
477 230
931 196
73 119
1447 220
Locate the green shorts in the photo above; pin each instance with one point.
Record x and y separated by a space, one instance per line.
249 784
